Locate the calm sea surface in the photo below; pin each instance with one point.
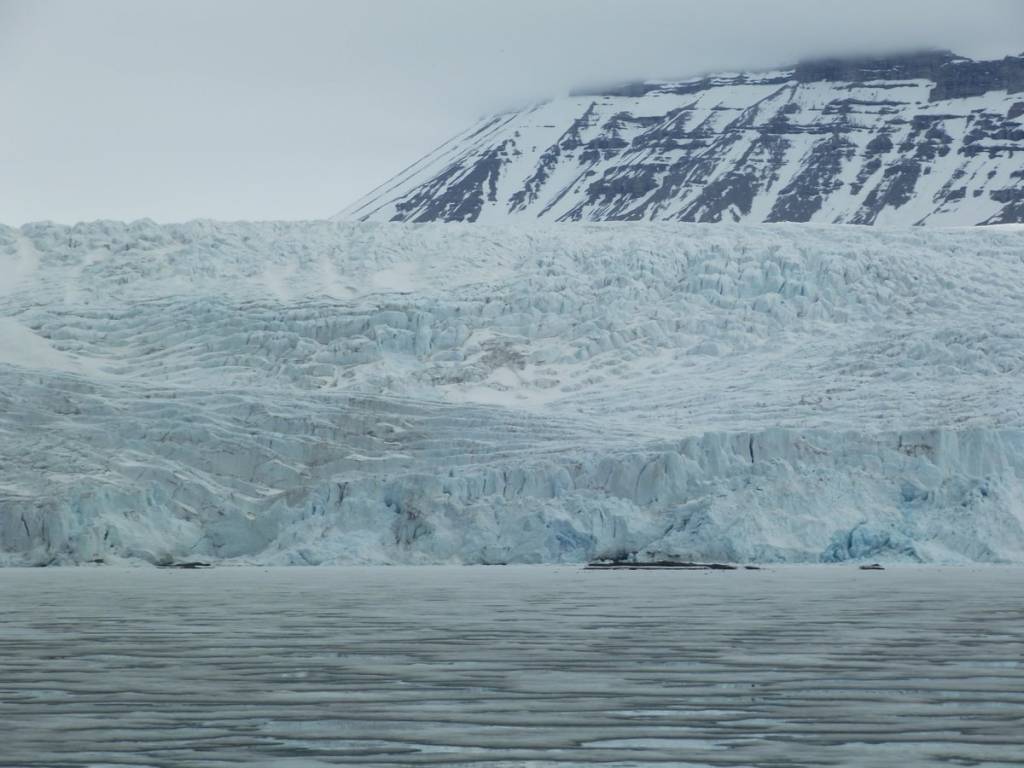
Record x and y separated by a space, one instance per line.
511 666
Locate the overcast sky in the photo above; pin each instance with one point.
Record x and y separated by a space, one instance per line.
246 109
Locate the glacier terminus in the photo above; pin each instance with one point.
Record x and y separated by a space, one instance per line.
360 392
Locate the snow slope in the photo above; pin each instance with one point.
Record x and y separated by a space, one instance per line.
928 138
356 392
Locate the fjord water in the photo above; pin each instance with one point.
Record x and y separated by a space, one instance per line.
511 666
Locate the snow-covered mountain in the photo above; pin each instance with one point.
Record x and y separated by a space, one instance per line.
928 138
361 392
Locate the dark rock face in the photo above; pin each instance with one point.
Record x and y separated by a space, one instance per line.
961 79
925 65
925 138
458 194
803 197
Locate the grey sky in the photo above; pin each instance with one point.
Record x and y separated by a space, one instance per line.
249 109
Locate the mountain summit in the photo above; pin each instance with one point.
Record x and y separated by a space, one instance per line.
926 138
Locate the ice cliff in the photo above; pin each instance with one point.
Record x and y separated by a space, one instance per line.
355 392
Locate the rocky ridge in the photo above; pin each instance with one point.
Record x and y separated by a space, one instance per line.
923 139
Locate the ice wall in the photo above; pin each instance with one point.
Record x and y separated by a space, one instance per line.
328 392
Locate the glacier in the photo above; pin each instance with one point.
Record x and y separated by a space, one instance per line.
352 392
